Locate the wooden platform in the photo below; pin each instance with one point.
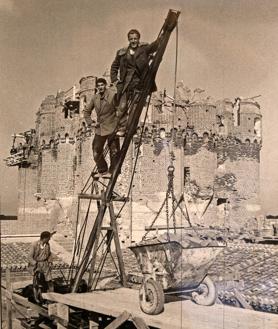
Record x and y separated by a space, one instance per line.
177 315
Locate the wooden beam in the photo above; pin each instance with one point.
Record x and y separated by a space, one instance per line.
162 227
23 311
8 299
52 310
139 323
113 224
100 197
191 315
24 302
122 318
93 325
63 316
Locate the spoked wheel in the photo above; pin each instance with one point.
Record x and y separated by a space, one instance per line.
151 297
206 293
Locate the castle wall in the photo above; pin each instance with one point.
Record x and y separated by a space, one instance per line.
46 119
48 174
32 216
215 153
237 182
202 118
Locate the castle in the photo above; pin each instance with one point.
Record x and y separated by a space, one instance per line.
216 148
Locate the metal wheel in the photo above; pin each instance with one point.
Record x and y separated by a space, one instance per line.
206 293
151 297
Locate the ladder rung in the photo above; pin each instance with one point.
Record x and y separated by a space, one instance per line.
89 196
107 228
98 178
120 198
162 227
99 197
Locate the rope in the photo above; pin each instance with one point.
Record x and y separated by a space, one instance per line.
175 77
24 195
136 159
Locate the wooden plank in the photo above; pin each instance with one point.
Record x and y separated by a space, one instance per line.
180 314
52 310
99 197
122 318
24 302
23 311
139 323
62 316
93 325
8 299
117 244
162 227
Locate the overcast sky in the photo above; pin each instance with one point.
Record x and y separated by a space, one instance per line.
229 48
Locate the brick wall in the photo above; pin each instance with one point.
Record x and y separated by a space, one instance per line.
32 214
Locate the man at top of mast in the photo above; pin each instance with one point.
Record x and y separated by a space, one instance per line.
126 72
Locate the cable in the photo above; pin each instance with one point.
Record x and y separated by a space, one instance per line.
175 78
170 189
136 159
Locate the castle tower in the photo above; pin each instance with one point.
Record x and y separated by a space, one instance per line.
238 169
249 127
87 90
46 119
225 117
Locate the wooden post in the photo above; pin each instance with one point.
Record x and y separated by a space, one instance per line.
93 325
130 195
8 299
63 316
139 323
122 318
117 245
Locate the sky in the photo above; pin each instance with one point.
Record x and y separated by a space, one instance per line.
229 48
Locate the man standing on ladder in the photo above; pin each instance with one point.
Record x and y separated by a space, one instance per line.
103 103
130 63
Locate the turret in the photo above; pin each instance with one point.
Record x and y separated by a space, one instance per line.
224 117
45 119
250 121
87 90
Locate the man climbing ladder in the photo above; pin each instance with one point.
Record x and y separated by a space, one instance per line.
103 104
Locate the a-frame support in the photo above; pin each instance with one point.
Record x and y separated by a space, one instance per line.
135 109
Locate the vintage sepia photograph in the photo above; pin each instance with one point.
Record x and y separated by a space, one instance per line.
138 168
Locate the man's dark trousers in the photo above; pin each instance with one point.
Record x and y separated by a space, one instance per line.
98 148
